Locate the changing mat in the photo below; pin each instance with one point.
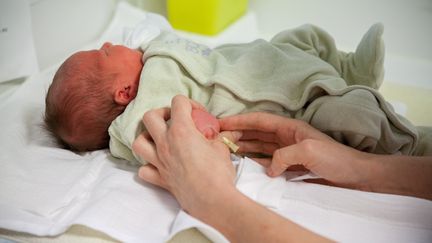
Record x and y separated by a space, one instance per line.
44 189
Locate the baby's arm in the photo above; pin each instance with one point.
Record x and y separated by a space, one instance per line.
364 66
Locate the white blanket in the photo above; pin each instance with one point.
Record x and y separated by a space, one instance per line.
44 189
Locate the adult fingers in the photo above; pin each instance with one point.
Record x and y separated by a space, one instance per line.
181 110
232 136
149 173
283 129
256 121
257 147
155 122
258 135
144 147
288 156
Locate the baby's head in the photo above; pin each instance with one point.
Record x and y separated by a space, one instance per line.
89 90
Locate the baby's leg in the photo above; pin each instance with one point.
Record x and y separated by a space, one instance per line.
360 120
424 147
364 67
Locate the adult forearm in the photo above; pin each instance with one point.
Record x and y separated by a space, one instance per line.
403 175
242 220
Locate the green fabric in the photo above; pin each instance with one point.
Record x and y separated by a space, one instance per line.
299 74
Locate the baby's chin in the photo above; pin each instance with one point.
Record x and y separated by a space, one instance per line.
136 52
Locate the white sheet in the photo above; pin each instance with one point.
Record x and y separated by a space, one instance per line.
44 189
340 214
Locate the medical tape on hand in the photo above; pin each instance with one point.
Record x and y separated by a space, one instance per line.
230 144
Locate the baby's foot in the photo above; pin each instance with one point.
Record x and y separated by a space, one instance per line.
366 65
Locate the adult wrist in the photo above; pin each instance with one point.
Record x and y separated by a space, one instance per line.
367 170
394 174
213 198
383 174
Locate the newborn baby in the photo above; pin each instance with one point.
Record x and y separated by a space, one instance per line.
298 74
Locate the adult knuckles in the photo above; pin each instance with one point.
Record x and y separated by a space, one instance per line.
280 158
179 132
148 116
309 145
136 145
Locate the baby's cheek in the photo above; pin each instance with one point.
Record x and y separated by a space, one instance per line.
206 123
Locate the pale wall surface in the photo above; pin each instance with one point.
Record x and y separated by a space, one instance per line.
62 26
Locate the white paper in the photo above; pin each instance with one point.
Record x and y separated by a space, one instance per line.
17 52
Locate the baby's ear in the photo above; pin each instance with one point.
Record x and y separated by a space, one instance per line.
123 96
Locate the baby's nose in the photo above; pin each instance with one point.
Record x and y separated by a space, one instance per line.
106 45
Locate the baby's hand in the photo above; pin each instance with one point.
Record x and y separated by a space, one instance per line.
206 123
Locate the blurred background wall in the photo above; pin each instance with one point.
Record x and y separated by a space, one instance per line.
61 27
408 30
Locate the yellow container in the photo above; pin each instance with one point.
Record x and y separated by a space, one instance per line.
206 17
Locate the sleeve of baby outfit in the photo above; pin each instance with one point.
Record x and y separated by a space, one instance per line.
364 66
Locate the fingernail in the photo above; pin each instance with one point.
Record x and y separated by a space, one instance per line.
140 172
269 172
237 134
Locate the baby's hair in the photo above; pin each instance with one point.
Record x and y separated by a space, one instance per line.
80 107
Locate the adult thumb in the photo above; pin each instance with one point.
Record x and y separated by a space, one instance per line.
284 158
149 173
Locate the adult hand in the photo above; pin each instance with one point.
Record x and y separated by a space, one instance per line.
199 173
182 160
294 142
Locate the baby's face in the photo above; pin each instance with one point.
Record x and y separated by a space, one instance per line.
117 57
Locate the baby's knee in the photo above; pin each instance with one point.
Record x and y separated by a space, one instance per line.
359 119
